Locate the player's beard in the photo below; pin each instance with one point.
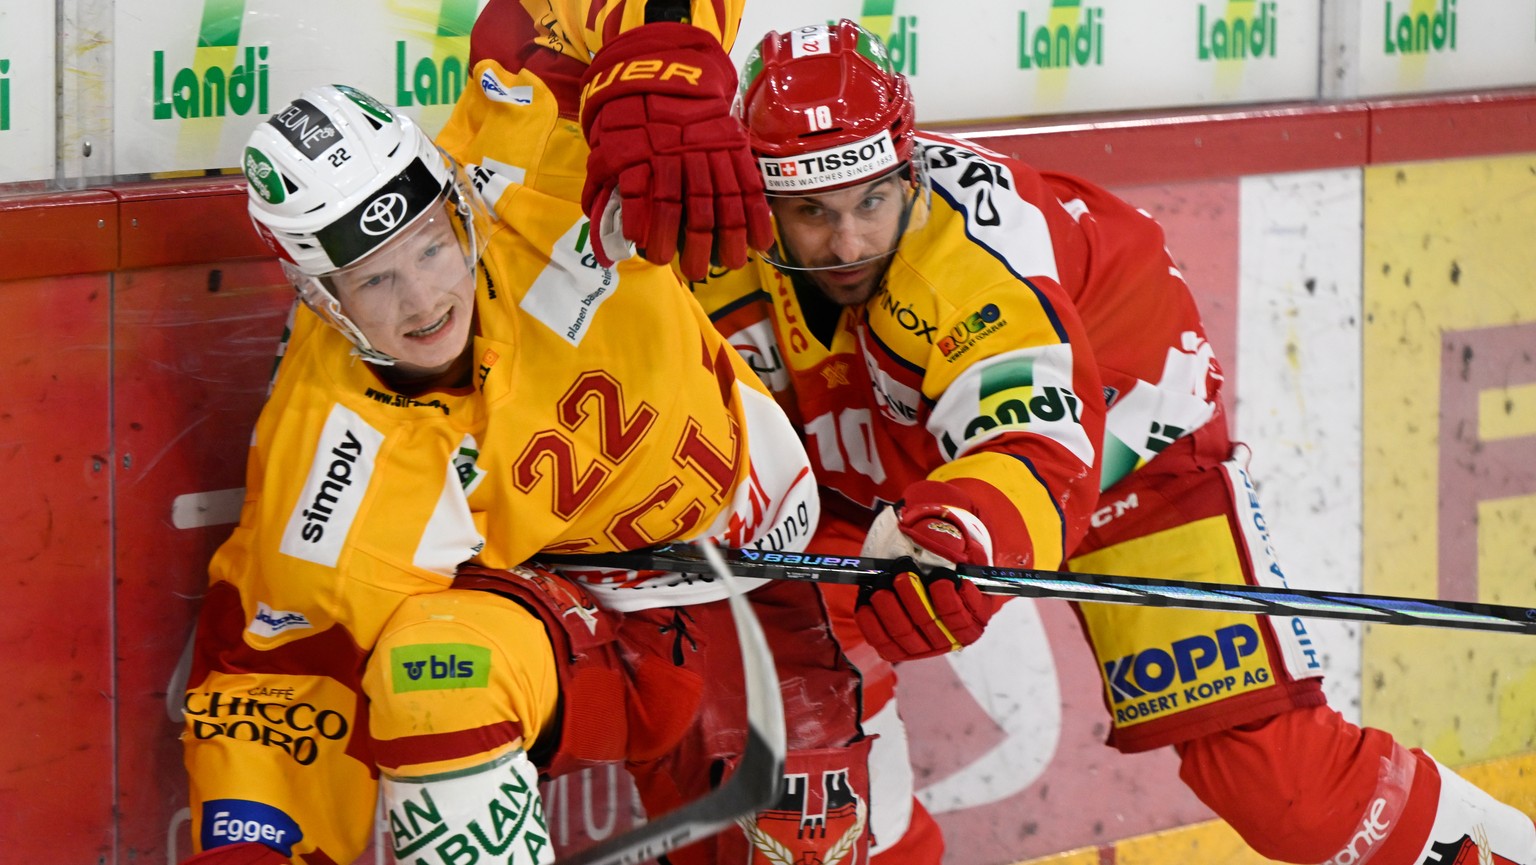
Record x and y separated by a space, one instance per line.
854 285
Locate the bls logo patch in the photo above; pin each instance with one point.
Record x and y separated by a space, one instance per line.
821 817
439 667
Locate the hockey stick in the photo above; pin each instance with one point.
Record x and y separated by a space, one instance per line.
1097 588
755 783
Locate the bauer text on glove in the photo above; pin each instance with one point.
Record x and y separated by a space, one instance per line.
656 110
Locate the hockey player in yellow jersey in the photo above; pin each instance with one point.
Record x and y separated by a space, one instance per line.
462 389
648 85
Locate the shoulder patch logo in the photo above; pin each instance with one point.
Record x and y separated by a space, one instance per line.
269 622
497 92
338 479
567 295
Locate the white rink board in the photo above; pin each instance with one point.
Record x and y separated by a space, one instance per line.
1299 368
389 48
1419 46
987 65
27 75
1124 54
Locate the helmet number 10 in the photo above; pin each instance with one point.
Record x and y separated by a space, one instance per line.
819 117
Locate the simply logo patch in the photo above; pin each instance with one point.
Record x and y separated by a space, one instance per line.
338 479
439 667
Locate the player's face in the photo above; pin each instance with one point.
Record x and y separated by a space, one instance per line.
844 239
414 299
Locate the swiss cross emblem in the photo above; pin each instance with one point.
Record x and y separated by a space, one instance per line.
788 169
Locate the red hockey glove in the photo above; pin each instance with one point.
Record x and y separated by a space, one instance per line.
922 608
245 853
670 163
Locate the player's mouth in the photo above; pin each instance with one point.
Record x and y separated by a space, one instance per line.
432 329
846 276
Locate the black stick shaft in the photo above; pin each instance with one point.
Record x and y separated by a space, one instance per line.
1097 588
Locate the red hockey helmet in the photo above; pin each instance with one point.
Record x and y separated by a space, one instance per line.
824 108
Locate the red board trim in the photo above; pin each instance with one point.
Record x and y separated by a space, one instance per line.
1161 148
167 223
164 223
58 234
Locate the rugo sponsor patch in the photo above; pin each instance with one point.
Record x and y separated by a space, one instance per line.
338 479
439 667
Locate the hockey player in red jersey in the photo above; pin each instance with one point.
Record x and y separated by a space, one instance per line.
462 389
973 350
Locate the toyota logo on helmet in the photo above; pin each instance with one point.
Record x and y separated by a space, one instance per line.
820 103
383 214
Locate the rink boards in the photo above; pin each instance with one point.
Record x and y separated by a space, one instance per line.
1364 271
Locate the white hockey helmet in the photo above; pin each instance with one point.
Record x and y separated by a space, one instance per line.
334 176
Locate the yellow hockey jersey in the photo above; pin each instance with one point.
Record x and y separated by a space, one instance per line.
605 413
969 365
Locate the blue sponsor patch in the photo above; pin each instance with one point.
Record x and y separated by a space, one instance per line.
233 821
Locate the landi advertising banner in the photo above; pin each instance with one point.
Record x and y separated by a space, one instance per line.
27 116
1417 46
189 77
193 76
1010 59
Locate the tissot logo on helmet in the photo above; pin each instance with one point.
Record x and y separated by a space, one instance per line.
833 167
